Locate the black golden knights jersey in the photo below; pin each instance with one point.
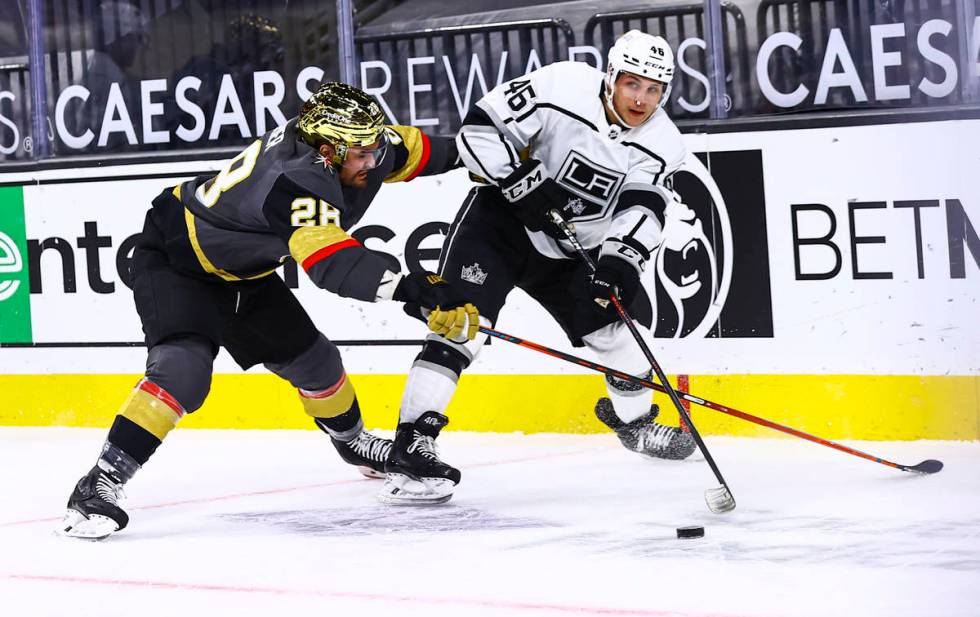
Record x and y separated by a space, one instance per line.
278 198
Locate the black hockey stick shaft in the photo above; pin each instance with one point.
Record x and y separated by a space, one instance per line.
928 466
627 320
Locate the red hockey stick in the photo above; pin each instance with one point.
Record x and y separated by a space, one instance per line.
925 467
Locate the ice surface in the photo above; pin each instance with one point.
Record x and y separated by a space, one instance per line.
273 523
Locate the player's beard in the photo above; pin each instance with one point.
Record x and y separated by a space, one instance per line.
357 179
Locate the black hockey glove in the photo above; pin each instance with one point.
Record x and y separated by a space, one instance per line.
450 315
428 290
618 271
533 194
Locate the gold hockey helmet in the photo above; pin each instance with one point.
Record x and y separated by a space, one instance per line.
342 116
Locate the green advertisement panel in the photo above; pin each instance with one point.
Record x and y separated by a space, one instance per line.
15 288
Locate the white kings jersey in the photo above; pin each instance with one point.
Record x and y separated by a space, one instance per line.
614 176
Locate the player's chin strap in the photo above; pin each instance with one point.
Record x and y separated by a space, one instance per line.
609 105
607 97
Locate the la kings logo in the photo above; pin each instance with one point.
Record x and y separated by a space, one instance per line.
595 185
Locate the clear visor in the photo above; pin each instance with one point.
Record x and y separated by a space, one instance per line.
366 157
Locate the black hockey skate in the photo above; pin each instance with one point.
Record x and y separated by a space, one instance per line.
645 435
366 452
93 510
415 475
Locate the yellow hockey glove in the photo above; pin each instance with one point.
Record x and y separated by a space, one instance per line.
455 323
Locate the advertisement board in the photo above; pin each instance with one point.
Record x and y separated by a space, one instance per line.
841 265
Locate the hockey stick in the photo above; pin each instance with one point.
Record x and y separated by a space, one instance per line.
719 498
925 467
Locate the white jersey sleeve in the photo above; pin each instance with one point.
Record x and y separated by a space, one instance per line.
502 124
639 215
613 177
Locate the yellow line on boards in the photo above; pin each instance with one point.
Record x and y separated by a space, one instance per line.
830 406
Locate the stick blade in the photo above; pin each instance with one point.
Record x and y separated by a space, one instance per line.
929 466
719 499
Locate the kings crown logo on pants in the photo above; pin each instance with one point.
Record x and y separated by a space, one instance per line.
473 274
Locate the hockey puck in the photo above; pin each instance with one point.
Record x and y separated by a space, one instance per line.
690 532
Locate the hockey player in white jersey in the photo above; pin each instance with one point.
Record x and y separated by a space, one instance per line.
598 148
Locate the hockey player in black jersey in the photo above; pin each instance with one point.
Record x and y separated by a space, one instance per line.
598 148
204 277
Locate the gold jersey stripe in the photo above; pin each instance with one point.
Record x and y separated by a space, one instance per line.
333 404
150 413
308 240
209 267
413 140
190 220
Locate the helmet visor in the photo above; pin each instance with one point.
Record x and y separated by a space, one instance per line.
366 157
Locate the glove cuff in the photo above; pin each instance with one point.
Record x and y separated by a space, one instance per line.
387 286
626 249
530 175
402 290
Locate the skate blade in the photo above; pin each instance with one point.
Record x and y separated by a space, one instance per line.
401 490
367 472
95 527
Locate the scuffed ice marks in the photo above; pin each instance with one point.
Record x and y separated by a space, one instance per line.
377 520
944 545
768 537
751 537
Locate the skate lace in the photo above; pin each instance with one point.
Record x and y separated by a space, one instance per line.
425 446
656 437
371 447
107 490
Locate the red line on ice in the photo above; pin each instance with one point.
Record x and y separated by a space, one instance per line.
524 606
290 489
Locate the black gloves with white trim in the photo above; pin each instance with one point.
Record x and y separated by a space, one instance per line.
533 194
618 271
